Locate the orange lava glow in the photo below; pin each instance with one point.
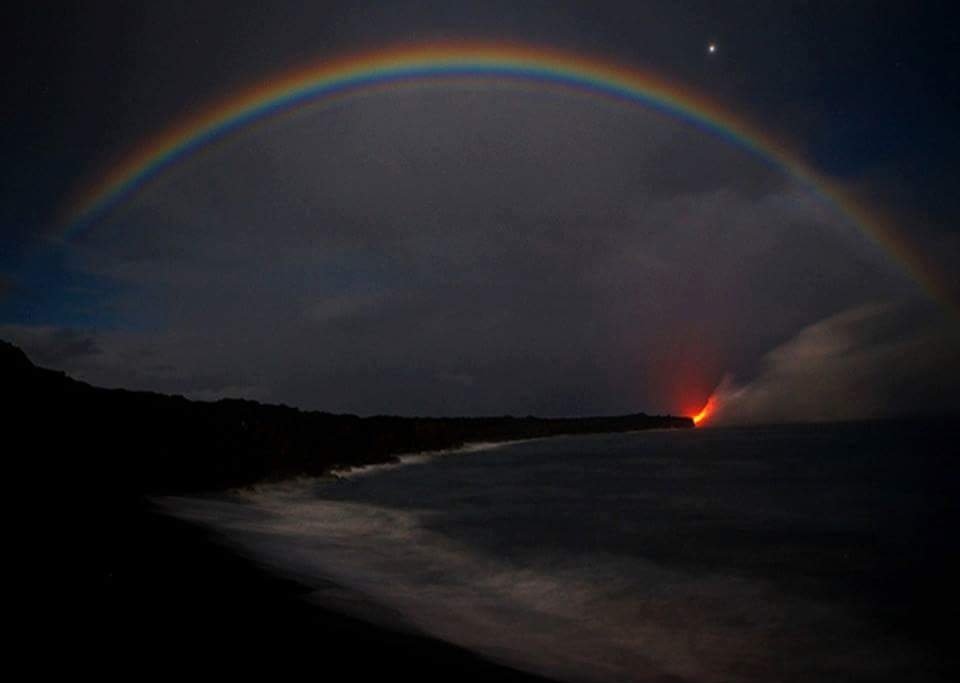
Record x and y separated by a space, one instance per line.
706 411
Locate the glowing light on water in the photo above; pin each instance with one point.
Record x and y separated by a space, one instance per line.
706 411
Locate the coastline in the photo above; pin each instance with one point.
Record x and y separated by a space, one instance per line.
183 446
118 588
172 594
404 459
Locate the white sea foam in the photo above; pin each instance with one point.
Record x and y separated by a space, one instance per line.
348 472
596 617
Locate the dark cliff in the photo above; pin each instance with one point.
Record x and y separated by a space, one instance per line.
115 587
154 443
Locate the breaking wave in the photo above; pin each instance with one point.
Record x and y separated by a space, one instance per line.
580 611
416 459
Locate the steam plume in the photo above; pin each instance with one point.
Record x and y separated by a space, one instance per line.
877 360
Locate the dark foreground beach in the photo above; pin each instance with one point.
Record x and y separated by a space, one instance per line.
118 589
156 594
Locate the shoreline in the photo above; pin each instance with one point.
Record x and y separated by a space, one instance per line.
180 597
122 588
418 457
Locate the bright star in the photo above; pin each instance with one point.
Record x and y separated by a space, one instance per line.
712 48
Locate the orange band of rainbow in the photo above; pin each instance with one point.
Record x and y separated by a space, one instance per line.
386 68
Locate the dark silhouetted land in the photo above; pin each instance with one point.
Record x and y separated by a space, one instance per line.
155 443
122 590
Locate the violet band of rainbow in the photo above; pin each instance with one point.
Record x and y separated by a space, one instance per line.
329 80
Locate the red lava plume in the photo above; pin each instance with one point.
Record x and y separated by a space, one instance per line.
706 411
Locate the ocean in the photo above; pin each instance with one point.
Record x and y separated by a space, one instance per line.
788 553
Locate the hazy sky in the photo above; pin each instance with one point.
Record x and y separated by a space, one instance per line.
485 248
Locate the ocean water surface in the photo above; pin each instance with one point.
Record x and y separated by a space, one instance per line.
801 553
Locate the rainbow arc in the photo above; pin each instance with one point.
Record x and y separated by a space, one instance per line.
350 76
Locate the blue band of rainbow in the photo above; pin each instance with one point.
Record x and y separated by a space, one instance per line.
387 68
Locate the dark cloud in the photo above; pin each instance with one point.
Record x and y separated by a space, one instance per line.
466 249
554 253
49 346
170 362
7 285
689 164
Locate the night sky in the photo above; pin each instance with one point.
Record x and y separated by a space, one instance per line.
489 248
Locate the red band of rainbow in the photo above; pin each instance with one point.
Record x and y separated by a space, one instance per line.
353 75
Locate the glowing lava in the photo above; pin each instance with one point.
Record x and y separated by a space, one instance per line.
706 412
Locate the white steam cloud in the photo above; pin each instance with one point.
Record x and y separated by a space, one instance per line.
877 360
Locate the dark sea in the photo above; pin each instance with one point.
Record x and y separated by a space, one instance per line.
796 553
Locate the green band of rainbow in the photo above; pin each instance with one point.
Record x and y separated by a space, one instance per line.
389 67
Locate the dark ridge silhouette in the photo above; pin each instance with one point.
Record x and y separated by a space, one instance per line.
155 443
112 587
